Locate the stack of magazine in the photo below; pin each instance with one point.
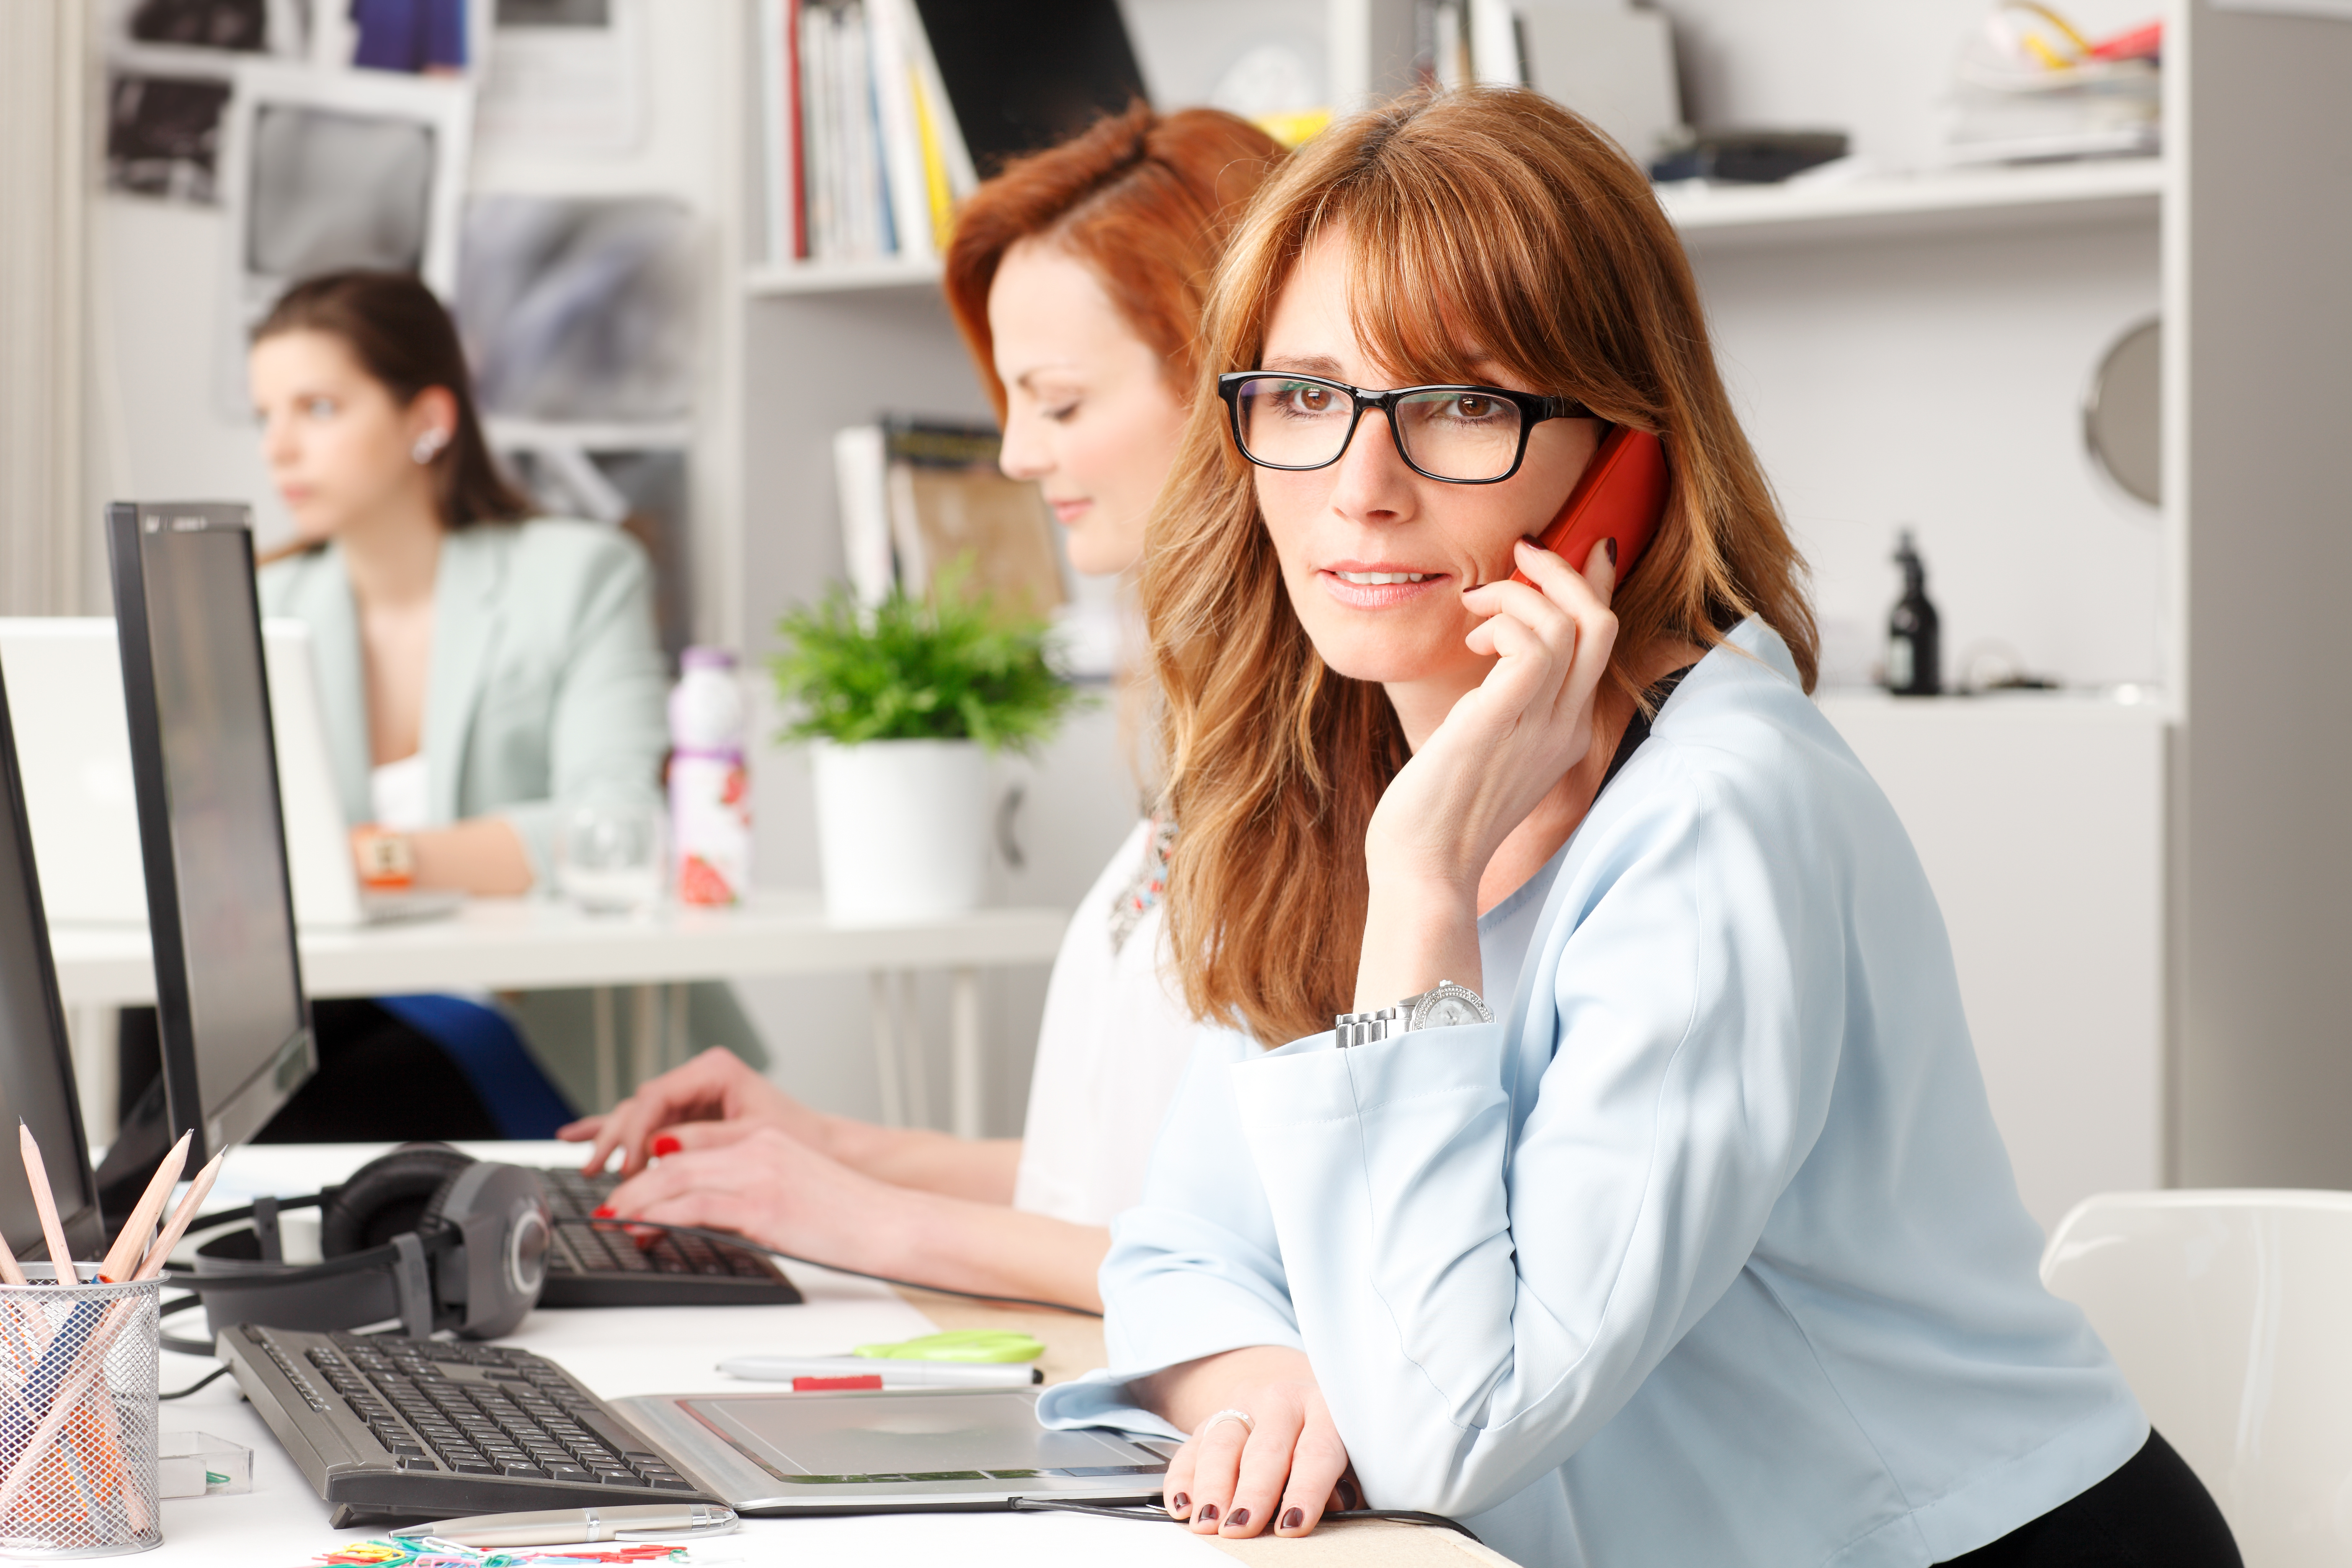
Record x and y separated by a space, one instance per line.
867 161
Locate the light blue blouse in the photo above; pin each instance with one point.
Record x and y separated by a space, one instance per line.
1707 1251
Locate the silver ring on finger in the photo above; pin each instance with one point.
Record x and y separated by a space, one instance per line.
1242 1416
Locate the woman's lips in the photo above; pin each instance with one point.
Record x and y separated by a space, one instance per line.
1378 584
1067 512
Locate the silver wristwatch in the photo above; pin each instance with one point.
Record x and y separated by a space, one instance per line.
1442 1007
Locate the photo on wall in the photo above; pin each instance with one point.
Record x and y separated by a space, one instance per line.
325 170
162 135
278 27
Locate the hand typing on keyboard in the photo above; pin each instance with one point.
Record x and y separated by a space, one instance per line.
713 1144
712 1100
768 1186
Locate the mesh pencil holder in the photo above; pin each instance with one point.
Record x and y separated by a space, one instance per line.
77 1417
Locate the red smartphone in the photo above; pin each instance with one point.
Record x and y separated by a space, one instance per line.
1621 496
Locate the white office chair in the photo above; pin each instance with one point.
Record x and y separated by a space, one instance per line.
2231 1313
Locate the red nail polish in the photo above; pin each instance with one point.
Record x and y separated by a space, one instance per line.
1209 1513
604 1211
665 1144
1293 1519
1240 1520
1609 545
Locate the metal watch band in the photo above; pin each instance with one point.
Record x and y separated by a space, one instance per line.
1442 1005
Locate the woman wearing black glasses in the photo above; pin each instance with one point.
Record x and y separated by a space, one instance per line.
1620 1176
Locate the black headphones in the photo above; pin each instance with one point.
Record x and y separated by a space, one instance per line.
425 1233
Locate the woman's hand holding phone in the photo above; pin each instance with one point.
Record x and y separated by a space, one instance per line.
1503 747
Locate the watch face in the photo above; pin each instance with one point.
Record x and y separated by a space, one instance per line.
1445 1012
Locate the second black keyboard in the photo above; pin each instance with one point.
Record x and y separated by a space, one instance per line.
602 1266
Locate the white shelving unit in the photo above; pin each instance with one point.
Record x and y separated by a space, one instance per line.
1904 350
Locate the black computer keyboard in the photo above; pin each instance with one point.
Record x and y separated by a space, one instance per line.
433 1428
593 1266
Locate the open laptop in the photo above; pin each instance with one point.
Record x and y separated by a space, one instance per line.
75 747
327 890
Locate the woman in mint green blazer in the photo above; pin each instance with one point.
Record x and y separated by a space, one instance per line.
479 668
544 684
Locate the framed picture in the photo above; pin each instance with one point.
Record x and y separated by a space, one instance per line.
322 171
196 29
163 133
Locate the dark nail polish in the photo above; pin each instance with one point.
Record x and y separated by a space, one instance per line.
1293 1519
1179 1503
1531 541
1610 545
1239 1520
1209 1512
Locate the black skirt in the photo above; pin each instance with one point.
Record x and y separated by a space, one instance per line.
2152 1513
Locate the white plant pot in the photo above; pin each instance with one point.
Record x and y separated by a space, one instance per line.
901 829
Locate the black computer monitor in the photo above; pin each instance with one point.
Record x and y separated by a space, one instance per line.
37 1077
232 1024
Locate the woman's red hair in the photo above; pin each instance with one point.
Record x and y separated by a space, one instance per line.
1146 201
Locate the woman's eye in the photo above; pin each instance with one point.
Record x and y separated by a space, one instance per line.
1474 408
319 407
1307 400
1062 414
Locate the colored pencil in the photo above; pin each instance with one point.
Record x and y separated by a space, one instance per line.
131 1245
45 1204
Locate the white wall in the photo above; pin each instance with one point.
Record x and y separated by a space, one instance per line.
1936 384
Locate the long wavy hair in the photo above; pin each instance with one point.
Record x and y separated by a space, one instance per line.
1492 222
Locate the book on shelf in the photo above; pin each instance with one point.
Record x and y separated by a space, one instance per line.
917 496
873 139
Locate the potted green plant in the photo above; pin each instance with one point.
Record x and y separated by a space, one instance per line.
903 703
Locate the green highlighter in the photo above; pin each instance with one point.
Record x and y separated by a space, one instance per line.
959 1345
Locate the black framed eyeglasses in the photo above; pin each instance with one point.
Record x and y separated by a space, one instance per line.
1456 435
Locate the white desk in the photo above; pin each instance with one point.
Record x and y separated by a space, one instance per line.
522 944
619 1352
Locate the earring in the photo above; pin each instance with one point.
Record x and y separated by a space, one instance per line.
429 446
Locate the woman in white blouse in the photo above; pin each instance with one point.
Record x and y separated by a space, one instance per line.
1077 278
1620 1177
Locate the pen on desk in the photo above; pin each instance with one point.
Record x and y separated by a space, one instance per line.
563 1526
849 1371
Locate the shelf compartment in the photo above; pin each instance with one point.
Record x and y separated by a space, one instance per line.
883 272
2038 195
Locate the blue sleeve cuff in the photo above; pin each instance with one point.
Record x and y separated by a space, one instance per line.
1100 1399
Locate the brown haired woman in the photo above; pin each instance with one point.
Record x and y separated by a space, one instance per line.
1646 1207
480 668
1079 278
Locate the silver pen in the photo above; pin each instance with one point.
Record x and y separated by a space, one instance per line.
563 1526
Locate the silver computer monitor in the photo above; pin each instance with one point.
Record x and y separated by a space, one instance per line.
37 1078
230 1014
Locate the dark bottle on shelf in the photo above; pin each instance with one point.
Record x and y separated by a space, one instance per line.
1915 653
